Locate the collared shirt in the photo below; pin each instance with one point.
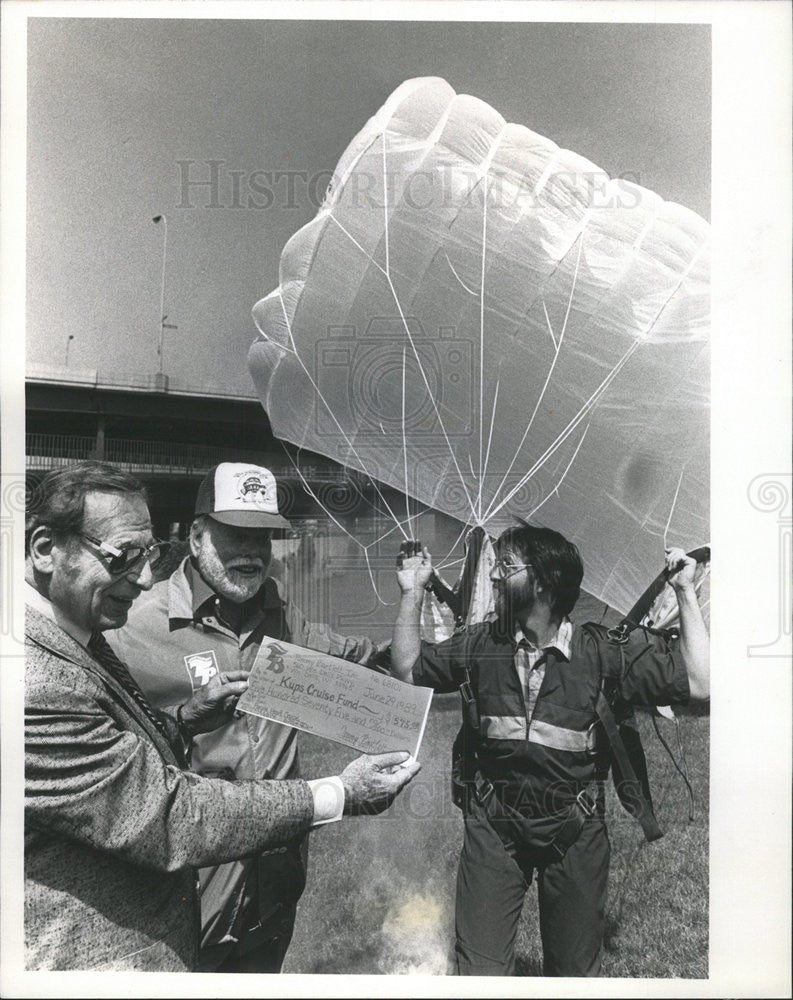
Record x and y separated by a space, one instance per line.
43 605
530 660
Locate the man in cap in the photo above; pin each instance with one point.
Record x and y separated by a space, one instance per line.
114 825
210 616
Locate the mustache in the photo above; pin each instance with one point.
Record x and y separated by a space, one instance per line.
244 562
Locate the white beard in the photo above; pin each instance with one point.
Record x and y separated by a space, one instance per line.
228 583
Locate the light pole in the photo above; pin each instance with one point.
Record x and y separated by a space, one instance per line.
156 220
69 339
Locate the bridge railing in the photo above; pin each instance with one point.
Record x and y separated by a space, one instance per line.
50 451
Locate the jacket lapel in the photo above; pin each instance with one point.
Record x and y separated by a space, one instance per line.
50 636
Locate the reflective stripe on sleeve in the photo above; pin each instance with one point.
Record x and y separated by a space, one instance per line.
557 737
503 727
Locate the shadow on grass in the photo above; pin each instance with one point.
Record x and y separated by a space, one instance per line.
352 962
527 966
612 927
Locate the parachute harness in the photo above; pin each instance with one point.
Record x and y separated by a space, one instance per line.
619 635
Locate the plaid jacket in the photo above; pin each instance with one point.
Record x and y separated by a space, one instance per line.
114 829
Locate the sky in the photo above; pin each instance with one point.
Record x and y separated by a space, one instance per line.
125 115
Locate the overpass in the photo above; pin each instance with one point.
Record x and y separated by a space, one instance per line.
168 434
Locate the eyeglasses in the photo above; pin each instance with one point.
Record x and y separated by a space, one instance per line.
505 570
120 561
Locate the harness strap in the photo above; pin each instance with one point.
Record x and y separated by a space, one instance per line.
631 792
584 806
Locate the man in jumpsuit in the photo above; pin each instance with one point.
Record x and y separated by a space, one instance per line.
538 805
208 618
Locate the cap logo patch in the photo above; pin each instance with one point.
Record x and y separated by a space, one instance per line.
202 667
253 490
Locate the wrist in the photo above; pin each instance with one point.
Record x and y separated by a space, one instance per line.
330 799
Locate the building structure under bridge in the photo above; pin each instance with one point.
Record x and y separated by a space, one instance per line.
168 435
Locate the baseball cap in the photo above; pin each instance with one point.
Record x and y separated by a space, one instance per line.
241 495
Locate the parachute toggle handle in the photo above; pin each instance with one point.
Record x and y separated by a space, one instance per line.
408 549
444 593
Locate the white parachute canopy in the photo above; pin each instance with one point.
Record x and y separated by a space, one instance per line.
486 322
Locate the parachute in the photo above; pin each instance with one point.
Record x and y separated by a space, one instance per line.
489 324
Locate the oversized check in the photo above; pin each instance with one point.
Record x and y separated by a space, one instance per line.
336 699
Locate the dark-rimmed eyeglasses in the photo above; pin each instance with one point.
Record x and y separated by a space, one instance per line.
503 570
119 561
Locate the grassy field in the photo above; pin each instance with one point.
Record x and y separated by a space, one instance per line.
380 894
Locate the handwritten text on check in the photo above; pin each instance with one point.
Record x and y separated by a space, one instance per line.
336 699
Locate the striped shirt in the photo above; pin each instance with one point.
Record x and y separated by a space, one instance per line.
530 661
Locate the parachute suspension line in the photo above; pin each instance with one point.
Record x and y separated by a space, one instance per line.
526 431
451 562
674 501
549 166
340 526
550 328
682 767
674 291
333 417
451 266
410 338
374 507
548 377
405 447
318 391
381 538
575 279
313 495
561 480
444 562
489 443
375 591
385 206
429 393
349 236
421 369
562 437
482 348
